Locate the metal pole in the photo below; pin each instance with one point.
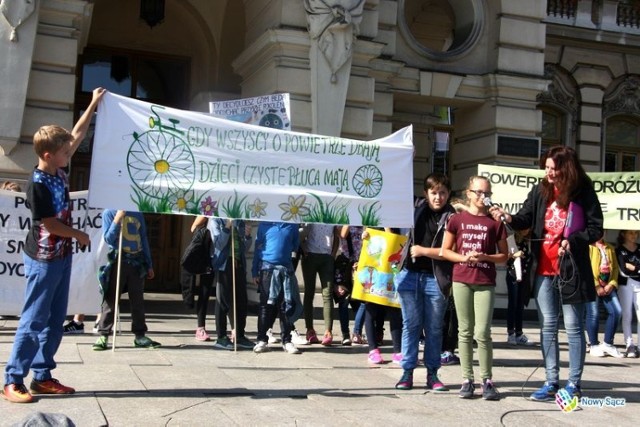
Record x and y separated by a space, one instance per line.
116 308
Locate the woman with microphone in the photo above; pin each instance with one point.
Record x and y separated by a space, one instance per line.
565 217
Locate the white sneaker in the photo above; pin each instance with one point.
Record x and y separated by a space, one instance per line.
298 339
611 350
272 338
511 339
597 351
290 348
261 347
523 340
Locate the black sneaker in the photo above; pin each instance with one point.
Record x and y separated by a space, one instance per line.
73 328
467 389
145 342
489 391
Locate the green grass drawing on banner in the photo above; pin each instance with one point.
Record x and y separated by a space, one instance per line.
235 208
369 214
327 213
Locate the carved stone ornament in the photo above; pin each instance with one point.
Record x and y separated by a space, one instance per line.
623 98
16 12
561 93
334 24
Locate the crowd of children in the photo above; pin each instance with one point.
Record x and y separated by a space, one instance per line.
445 282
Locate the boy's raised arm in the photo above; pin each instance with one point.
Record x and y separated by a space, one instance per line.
82 125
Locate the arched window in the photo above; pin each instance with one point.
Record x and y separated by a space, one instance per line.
622 142
554 128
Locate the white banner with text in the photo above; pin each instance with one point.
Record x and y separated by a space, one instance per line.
15 220
150 158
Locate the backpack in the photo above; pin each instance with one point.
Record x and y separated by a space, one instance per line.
197 256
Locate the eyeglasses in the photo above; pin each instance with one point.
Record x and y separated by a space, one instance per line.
481 193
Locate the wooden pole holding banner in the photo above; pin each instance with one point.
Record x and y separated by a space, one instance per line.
116 306
233 284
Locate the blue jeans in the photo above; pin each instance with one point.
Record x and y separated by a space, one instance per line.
612 305
548 302
343 312
423 306
40 330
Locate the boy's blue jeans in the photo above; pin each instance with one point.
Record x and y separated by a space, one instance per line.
614 310
40 330
423 306
548 302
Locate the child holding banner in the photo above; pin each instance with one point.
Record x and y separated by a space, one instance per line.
470 241
135 266
424 285
47 262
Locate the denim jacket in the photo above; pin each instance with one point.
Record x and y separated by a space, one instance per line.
221 237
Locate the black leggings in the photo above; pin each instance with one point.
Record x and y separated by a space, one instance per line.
224 300
374 319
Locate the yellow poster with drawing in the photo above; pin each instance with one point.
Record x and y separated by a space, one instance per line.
381 258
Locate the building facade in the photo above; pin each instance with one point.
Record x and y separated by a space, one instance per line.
481 81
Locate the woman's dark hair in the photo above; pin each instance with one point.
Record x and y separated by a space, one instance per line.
571 176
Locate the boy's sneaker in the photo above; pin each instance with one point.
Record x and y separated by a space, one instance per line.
346 341
73 328
357 339
434 383
145 342
261 347
51 386
467 389
448 358
396 358
375 358
100 344
224 343
273 339
610 350
290 348
546 392
597 350
244 342
17 393
312 337
632 351
489 391
573 390
523 340
202 335
406 381
298 339
511 339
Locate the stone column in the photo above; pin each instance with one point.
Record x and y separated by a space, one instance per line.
333 27
18 25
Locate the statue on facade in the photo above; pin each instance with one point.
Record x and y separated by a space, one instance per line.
16 12
334 24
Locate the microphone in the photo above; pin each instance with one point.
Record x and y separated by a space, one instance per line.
488 203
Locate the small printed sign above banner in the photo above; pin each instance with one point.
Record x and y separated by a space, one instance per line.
271 111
